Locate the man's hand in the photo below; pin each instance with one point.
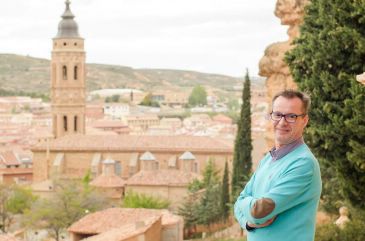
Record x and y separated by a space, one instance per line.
267 223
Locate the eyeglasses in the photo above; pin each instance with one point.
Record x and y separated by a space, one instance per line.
290 118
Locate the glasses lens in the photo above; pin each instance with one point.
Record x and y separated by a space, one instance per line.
276 116
291 118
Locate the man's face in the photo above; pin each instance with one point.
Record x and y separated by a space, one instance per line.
285 133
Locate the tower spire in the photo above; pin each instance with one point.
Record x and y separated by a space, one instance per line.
68 26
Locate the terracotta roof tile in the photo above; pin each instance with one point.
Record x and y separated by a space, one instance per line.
108 124
9 158
222 118
10 171
162 177
124 232
108 181
136 143
7 237
108 219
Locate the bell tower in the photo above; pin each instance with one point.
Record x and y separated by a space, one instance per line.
68 78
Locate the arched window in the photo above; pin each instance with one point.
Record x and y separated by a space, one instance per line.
75 72
75 123
64 72
65 123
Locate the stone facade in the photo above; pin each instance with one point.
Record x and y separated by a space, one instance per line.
272 64
68 76
71 156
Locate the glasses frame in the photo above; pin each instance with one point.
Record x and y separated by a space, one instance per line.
285 116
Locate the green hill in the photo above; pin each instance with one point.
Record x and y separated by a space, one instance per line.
32 75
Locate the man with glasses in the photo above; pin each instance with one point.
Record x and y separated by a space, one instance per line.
280 201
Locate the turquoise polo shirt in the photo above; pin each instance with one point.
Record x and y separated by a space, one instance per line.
287 189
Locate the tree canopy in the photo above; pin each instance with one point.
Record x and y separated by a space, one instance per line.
242 158
327 56
13 200
198 96
71 201
140 200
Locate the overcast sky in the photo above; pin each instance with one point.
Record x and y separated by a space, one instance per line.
213 36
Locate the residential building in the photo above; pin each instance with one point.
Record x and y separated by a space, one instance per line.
15 169
109 183
128 224
141 122
168 184
116 110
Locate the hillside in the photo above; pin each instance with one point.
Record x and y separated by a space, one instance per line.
33 75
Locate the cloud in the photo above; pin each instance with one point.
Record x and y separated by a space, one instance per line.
218 36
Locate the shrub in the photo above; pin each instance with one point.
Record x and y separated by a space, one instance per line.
136 200
353 231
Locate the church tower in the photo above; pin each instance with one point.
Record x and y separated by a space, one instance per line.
68 78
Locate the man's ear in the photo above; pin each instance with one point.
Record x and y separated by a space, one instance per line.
306 120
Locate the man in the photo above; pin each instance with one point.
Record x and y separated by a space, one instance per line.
280 201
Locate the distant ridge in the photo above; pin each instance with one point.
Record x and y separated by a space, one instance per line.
29 74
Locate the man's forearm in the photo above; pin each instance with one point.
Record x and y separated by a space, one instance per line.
267 223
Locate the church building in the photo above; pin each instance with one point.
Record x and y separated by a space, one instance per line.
71 153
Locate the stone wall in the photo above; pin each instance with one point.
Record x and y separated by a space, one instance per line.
272 65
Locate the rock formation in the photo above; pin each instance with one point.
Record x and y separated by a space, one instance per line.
272 65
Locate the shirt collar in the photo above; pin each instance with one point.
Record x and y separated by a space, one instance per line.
277 154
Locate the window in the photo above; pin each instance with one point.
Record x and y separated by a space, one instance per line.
118 168
75 73
75 123
64 72
195 167
65 123
156 166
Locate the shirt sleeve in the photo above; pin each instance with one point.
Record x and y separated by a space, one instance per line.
289 190
246 193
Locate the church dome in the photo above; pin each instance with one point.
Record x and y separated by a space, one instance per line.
68 27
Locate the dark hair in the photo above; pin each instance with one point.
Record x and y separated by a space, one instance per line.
291 94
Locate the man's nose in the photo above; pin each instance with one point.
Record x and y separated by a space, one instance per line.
282 121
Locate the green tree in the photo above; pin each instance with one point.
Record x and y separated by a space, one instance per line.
210 174
327 56
140 200
203 206
188 210
71 201
242 158
108 99
115 98
225 194
198 96
148 101
209 208
13 200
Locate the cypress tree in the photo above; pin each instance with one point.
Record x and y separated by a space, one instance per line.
327 56
242 159
225 194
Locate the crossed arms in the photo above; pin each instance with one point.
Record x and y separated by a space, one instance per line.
287 191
